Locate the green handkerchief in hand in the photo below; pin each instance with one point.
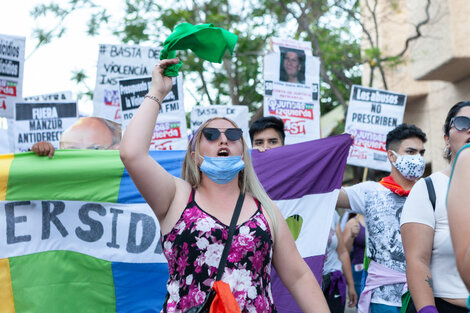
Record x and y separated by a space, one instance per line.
205 40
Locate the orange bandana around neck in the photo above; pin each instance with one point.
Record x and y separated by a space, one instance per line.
389 182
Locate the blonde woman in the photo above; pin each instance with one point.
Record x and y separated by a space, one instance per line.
194 213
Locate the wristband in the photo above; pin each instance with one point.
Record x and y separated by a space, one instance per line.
428 309
154 99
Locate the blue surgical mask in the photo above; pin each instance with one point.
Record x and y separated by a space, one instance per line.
222 170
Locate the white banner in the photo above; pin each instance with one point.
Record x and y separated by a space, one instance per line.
292 78
56 96
117 62
372 113
109 231
12 49
170 130
237 113
42 121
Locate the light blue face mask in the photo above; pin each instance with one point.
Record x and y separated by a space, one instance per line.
222 170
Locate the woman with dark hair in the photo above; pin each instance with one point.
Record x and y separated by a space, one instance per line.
431 272
292 66
194 211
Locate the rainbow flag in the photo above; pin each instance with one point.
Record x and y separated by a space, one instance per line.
76 235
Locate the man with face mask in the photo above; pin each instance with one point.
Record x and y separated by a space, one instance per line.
381 205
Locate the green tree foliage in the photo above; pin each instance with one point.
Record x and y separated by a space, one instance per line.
239 80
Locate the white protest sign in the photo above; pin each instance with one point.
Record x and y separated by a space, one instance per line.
117 62
170 130
292 79
42 121
237 113
11 73
56 96
372 113
6 143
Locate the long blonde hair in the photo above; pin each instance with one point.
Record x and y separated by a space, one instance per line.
247 180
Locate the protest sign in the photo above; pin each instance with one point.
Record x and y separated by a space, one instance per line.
170 130
42 121
117 62
11 72
372 113
237 113
291 92
56 96
6 143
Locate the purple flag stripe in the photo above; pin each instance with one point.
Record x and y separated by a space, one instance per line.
282 298
311 167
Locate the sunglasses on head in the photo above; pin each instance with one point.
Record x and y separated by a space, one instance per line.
232 134
461 123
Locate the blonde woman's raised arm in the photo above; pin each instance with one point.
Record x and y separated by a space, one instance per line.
155 184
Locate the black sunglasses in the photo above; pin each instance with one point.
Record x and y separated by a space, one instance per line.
232 134
461 123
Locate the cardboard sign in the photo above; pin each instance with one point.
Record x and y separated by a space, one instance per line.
11 73
292 78
42 121
117 62
237 113
170 130
372 113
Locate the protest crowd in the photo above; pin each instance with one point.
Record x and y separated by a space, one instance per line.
231 217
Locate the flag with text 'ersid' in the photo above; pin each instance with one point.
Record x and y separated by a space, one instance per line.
77 236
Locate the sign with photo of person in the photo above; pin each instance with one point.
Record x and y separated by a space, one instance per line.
170 130
237 113
117 62
42 121
12 49
372 113
292 79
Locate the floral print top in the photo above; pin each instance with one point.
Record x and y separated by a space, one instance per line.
194 247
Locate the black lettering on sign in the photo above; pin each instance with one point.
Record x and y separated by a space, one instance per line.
49 217
12 220
112 243
96 228
149 230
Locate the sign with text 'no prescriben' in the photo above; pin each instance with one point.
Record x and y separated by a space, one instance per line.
42 121
372 113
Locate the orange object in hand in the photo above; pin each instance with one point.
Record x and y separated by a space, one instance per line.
224 301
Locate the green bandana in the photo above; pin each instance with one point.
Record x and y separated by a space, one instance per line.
205 40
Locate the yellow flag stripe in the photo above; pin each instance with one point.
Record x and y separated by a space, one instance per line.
6 292
5 163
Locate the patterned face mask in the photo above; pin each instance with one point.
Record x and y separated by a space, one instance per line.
410 166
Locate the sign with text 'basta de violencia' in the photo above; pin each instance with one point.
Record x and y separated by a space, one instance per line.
372 113
170 131
291 90
117 62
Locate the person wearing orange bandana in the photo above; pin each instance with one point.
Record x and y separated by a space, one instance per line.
381 204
